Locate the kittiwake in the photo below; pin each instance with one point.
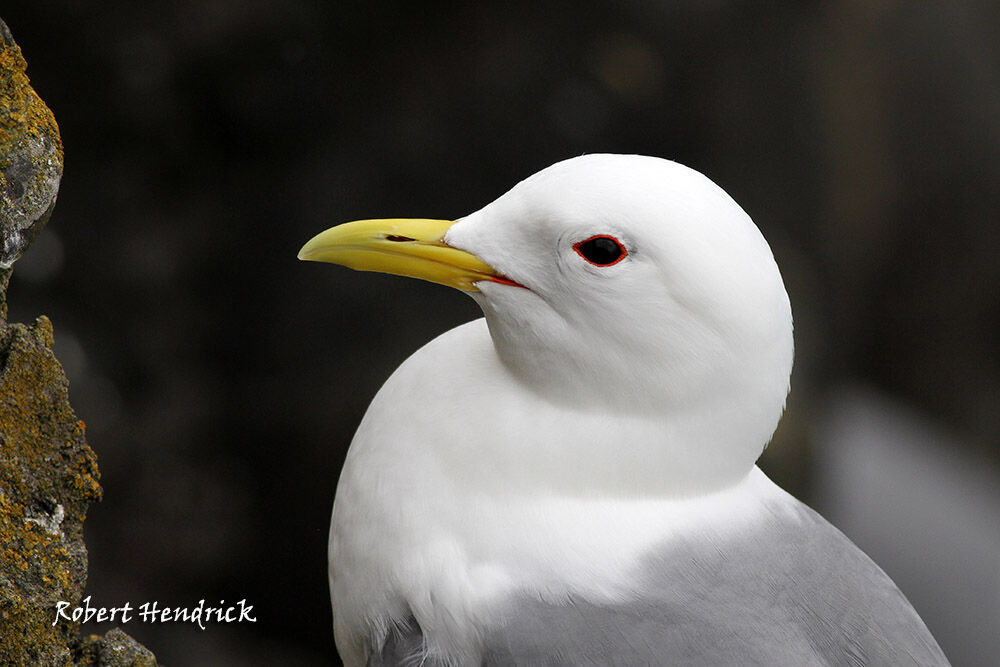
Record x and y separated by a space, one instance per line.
571 480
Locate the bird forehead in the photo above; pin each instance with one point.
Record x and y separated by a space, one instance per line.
644 195
672 220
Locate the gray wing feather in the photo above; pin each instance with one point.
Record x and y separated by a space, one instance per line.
403 647
798 593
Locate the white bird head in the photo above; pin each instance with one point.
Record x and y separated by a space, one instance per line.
622 284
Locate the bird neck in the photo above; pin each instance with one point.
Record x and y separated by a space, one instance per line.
532 436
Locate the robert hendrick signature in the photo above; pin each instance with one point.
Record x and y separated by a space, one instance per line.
154 612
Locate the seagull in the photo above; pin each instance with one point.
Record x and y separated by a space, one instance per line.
572 479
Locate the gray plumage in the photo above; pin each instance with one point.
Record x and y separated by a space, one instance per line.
797 592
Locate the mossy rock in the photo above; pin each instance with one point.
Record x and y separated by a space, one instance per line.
48 478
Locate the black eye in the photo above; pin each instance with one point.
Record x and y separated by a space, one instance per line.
601 250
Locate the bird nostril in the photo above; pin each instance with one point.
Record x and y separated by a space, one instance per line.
398 239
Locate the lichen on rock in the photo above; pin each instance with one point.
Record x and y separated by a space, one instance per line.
48 473
31 155
48 478
114 649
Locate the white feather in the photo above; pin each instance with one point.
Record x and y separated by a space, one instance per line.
601 412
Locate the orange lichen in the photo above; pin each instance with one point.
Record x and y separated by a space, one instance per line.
26 113
49 477
48 473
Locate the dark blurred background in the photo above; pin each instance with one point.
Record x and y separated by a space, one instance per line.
221 380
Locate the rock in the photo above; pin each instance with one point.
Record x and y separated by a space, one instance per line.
48 473
31 155
48 478
114 649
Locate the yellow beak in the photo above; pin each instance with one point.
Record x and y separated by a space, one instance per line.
405 247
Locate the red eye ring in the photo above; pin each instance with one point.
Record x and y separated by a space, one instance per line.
601 250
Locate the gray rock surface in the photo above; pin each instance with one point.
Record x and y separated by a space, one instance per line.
31 155
48 473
